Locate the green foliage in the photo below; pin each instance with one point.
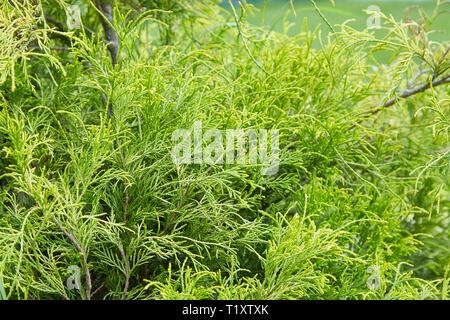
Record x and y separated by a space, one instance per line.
360 186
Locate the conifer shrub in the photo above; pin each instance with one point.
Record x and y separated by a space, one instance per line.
92 206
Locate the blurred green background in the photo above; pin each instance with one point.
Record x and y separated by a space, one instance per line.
278 14
278 11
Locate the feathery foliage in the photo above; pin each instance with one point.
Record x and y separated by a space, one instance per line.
87 179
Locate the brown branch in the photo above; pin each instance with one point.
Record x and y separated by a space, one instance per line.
444 55
60 26
127 273
166 227
71 237
96 290
125 207
107 20
56 23
112 39
57 48
92 32
405 94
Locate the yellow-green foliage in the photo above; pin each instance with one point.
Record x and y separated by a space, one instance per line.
361 188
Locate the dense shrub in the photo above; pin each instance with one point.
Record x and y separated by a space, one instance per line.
357 210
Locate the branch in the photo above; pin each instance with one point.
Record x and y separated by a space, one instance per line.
138 8
56 23
112 39
61 48
60 26
109 104
127 273
125 207
413 81
83 254
96 290
92 32
407 93
107 19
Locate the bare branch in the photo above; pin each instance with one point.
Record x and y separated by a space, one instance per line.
96 290
414 79
125 207
107 19
94 34
407 93
56 23
127 273
109 104
59 48
71 237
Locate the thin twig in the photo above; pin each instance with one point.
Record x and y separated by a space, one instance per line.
60 26
107 19
414 79
60 34
405 94
125 207
137 8
56 23
71 237
411 90
58 48
127 273
96 290
244 40
91 32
